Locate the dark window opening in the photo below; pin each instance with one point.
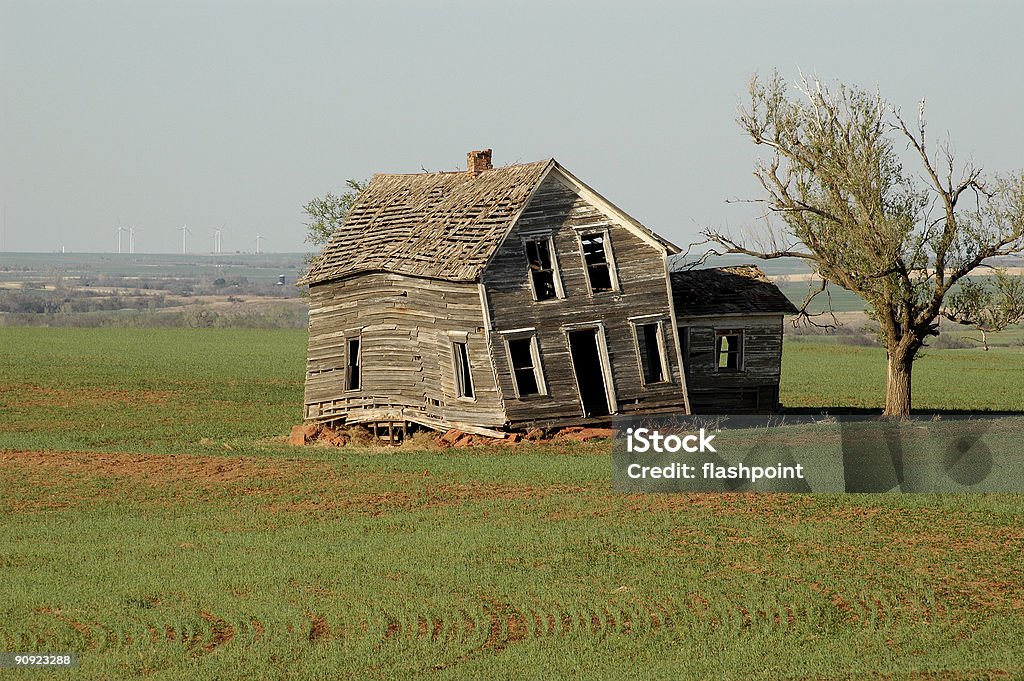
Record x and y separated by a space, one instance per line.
463 372
730 351
520 350
596 258
542 271
650 353
352 366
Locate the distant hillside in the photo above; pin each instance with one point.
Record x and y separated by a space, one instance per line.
37 266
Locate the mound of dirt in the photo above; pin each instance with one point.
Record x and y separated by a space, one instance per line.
315 433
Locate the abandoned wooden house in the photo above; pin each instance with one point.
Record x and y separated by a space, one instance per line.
503 298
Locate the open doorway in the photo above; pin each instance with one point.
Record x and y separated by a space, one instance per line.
589 366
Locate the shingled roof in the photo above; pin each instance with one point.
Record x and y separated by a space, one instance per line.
443 225
438 225
743 289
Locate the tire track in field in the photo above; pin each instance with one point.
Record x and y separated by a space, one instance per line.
94 635
222 633
508 625
84 630
489 625
497 625
210 633
872 610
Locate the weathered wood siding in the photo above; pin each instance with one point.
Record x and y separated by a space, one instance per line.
557 210
405 326
754 389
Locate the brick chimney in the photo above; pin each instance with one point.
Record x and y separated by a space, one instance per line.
478 161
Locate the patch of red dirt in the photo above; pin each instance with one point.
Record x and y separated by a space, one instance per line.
437 496
779 507
153 468
222 632
30 395
584 434
318 629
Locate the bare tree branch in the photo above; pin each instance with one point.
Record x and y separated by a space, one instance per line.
733 247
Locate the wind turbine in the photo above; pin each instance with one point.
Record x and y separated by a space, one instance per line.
185 231
258 237
119 231
131 239
217 242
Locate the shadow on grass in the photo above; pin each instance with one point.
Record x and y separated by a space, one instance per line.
863 411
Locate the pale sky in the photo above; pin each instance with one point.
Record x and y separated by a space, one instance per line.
211 113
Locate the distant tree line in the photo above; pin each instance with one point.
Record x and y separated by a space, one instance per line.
279 316
64 301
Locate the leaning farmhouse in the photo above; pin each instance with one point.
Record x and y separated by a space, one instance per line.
502 298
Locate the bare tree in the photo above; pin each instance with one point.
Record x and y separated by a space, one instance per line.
835 177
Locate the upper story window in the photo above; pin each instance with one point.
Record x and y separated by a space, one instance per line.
729 350
543 268
598 261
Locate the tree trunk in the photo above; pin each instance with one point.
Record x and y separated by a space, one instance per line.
897 390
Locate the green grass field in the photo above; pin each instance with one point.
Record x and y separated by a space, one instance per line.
153 520
832 376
